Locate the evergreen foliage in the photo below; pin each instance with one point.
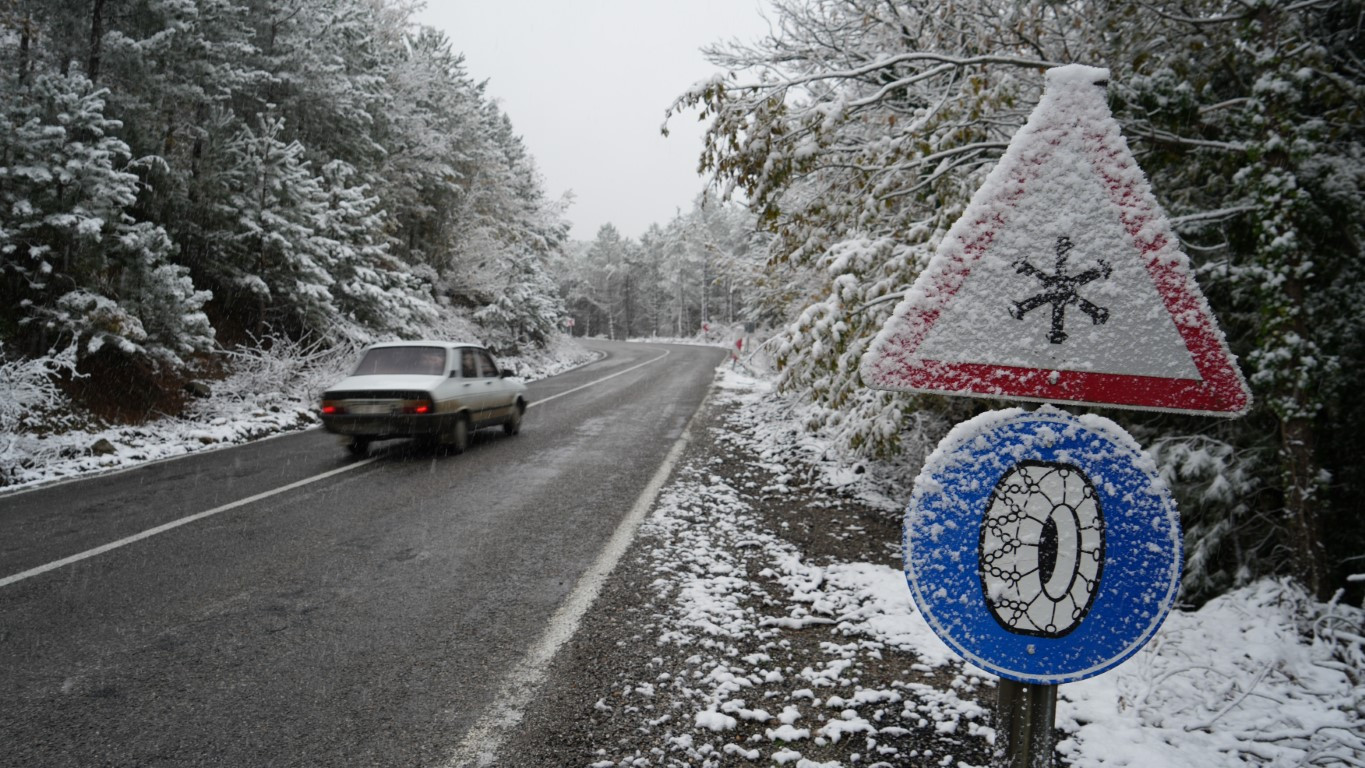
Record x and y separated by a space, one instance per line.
79 268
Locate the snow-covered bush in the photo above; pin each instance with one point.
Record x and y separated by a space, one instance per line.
30 387
1264 675
279 366
1215 486
31 399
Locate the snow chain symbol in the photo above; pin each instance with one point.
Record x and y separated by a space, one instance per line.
1042 549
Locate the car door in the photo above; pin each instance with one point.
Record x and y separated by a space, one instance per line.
468 386
448 393
497 396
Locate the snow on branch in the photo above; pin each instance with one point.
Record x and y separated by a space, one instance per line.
1166 137
30 386
1202 217
31 396
912 57
1286 694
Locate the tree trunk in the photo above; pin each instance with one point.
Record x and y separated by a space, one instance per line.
680 303
25 39
628 317
96 40
1299 456
705 287
1300 465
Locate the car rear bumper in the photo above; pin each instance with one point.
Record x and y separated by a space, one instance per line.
381 426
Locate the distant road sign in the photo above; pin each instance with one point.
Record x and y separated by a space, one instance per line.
1062 281
1042 546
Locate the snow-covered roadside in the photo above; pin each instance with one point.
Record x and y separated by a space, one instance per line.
266 394
772 651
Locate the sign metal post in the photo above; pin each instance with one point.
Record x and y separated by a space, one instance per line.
1025 716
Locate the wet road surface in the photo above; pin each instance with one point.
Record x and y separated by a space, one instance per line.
365 618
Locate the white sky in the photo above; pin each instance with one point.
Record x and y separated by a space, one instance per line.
586 85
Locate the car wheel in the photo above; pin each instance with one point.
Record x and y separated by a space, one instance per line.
459 435
358 447
513 424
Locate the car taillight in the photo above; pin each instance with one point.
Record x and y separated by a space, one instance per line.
332 408
420 408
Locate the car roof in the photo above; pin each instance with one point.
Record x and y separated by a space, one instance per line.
446 344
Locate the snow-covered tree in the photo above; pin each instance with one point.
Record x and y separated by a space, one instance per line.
374 291
857 131
428 136
324 168
78 266
1253 135
270 262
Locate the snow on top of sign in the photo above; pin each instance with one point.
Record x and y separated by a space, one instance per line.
1077 74
1062 281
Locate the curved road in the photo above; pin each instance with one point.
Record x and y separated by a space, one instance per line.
369 617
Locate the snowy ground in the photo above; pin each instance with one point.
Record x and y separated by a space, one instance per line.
784 634
266 394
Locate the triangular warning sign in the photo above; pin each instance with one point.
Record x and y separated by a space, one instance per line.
1062 281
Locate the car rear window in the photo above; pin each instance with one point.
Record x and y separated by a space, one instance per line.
420 361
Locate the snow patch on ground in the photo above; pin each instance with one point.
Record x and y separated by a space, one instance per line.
1261 676
741 605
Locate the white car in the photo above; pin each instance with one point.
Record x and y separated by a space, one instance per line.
436 391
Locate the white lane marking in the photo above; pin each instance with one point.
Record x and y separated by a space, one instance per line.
599 381
150 532
480 745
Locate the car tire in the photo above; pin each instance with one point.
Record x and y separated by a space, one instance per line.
458 440
359 447
513 424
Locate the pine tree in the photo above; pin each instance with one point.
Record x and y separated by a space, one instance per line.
270 262
78 268
374 291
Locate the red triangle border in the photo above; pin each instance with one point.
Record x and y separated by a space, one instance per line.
1222 391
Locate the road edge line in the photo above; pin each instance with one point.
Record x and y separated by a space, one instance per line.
481 743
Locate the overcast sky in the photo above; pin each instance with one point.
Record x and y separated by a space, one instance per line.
586 84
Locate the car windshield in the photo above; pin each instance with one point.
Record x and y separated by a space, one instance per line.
420 361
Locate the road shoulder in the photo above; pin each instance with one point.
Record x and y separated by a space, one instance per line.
760 615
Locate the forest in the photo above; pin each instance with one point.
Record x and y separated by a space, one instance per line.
180 177
183 177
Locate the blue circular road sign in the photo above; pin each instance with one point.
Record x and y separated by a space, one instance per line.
1042 546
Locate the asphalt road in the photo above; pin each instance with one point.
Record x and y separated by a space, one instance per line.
365 618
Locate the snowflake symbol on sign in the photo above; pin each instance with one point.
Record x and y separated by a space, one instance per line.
1059 290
